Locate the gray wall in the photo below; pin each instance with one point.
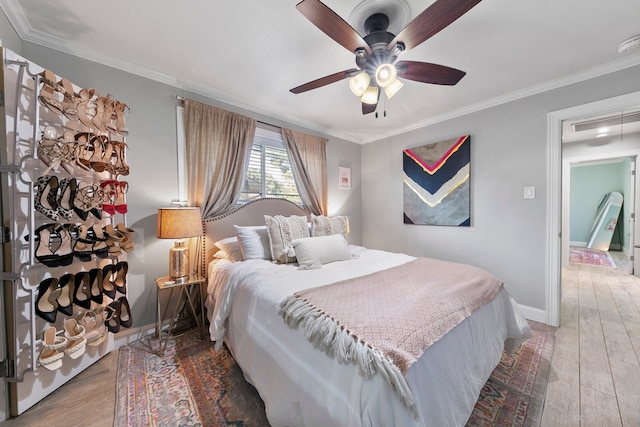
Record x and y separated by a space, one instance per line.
508 234
153 181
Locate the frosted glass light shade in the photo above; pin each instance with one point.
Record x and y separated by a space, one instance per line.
385 74
370 96
393 88
359 83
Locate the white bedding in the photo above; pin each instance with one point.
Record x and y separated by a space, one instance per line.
301 386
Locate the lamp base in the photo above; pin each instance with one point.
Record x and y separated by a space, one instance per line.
179 260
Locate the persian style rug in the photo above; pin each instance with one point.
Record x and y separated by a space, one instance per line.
191 385
590 257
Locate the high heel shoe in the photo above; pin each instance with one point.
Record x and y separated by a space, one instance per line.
89 198
46 196
94 327
83 247
127 244
114 237
67 194
51 355
122 268
98 144
108 281
120 125
97 119
69 103
86 106
125 313
46 304
114 190
96 290
43 252
66 286
82 290
100 248
76 342
64 249
47 96
112 320
119 167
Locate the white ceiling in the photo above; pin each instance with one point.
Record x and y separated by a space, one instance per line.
250 53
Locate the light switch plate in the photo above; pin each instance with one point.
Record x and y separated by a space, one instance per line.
530 192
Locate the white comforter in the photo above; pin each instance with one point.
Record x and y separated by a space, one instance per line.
301 386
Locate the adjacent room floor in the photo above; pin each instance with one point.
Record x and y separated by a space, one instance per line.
595 377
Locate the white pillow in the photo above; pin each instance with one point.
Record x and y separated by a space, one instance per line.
326 226
313 252
231 246
282 231
254 242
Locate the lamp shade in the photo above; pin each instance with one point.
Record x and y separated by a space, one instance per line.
179 223
370 96
393 88
359 83
385 74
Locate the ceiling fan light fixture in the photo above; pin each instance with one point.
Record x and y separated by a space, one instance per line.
370 95
359 83
385 74
393 88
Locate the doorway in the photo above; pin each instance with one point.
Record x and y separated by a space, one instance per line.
558 220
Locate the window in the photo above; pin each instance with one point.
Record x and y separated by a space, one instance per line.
269 172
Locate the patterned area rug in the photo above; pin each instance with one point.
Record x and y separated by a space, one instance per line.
590 257
191 385
514 394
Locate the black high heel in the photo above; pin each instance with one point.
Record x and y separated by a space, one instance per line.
46 196
64 251
46 304
125 313
83 247
82 290
66 285
100 248
95 278
112 320
121 277
108 286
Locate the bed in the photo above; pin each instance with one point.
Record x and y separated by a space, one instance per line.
303 384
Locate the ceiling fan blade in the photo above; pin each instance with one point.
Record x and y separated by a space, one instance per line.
369 108
332 25
425 72
431 21
323 81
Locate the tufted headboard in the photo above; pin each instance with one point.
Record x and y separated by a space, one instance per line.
252 213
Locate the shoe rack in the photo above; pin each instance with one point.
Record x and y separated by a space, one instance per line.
66 242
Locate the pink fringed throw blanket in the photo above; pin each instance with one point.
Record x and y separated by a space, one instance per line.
384 321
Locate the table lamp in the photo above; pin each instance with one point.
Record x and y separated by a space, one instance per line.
179 223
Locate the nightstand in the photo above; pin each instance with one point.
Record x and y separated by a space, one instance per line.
189 288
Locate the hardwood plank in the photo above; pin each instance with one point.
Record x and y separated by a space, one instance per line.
598 409
562 402
627 383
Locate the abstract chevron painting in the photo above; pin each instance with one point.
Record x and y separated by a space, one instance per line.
436 183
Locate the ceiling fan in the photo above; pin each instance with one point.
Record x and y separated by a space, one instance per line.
376 53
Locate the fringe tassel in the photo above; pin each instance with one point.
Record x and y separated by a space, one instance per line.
332 339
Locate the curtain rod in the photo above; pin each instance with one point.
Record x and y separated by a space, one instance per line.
182 99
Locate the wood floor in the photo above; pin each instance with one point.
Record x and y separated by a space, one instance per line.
595 377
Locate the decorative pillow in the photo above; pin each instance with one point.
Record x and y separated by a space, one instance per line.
231 246
282 231
326 226
254 242
313 252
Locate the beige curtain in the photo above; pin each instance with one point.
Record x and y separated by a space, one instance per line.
308 157
218 146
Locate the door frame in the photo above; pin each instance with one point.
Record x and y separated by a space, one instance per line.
554 189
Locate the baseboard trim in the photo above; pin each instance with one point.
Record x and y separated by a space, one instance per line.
532 313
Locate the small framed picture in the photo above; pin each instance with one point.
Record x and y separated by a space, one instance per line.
344 177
